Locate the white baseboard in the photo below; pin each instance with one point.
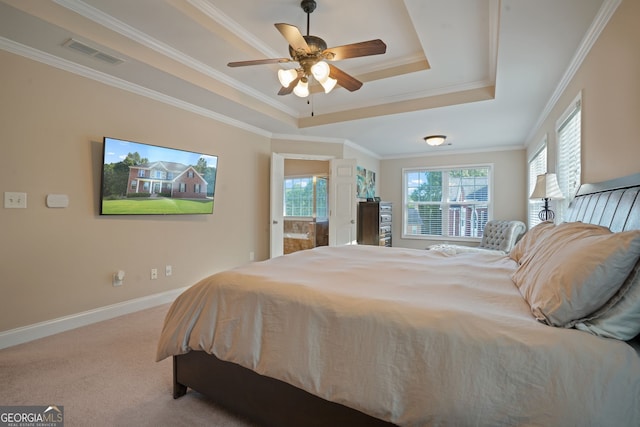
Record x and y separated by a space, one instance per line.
43 329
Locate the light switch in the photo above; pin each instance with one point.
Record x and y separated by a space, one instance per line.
13 200
57 200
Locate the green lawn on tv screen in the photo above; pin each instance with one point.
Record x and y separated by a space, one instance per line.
156 206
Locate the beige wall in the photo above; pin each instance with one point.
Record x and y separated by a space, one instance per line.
366 161
509 182
58 262
297 167
609 79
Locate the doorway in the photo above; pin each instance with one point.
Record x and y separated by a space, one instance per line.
306 205
341 201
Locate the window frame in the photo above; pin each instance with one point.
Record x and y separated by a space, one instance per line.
448 238
536 166
314 208
568 181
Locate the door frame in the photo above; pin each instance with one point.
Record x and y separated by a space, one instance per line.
276 224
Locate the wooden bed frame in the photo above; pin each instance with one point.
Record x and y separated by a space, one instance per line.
270 402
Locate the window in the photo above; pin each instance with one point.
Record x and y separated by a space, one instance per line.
134 184
537 166
196 188
446 202
182 187
569 164
306 196
141 173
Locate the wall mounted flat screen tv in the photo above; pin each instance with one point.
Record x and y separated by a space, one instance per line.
143 179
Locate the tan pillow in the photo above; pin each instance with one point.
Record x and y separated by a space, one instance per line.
530 239
575 270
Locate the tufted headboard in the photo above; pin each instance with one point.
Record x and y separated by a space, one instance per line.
614 204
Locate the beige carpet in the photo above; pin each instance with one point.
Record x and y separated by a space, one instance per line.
105 374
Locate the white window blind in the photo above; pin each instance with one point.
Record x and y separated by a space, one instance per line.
569 160
306 196
537 166
446 202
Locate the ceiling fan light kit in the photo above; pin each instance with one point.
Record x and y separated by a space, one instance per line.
311 53
302 88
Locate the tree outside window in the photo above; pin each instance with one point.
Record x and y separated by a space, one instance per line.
449 202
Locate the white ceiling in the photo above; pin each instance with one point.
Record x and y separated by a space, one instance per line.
481 72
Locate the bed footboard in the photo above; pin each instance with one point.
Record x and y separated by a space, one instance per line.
265 400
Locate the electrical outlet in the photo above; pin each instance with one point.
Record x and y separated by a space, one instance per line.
15 200
154 273
168 270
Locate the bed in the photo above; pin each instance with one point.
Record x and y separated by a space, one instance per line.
372 336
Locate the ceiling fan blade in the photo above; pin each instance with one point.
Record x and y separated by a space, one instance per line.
345 80
354 50
258 62
293 35
287 90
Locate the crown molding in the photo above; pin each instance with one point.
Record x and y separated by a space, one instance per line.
140 37
81 70
599 23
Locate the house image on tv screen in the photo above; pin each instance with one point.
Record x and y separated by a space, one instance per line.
166 179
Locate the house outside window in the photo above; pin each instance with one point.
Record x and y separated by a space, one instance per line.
182 188
306 197
141 173
196 188
134 184
444 203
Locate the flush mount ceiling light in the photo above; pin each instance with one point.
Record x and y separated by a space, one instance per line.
435 140
311 52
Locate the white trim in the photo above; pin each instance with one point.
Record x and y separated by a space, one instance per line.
102 18
61 324
81 70
544 142
599 23
573 105
490 203
445 150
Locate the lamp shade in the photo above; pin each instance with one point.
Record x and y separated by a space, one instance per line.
547 187
320 70
287 76
302 88
328 84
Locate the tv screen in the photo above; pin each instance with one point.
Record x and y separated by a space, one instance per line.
143 179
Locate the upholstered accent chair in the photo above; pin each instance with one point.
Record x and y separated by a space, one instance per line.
502 235
498 236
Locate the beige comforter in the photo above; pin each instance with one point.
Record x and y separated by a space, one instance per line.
413 337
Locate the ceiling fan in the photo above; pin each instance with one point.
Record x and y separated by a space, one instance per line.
311 52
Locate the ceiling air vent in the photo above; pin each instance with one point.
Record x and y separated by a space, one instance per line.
91 51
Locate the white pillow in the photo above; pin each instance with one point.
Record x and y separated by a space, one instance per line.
574 270
622 319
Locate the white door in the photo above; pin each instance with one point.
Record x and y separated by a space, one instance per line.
277 205
342 202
